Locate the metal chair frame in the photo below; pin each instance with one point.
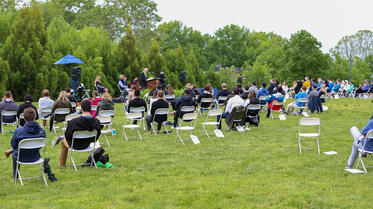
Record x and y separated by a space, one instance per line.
309 122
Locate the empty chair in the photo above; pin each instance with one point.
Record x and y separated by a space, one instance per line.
26 144
276 107
159 112
308 122
211 114
8 114
187 118
83 135
131 117
363 151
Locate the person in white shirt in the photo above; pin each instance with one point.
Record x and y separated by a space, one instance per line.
45 102
233 102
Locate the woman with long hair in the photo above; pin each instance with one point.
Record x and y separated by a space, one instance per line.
61 102
94 101
98 85
105 104
169 90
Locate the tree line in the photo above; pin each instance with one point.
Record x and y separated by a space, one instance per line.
124 36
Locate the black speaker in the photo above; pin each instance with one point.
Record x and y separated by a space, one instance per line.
239 80
182 76
76 73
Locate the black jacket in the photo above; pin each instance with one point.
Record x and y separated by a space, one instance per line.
160 103
271 88
82 123
142 79
137 102
245 94
104 105
201 96
22 107
298 87
185 100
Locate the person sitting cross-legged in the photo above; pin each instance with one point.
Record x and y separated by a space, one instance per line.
31 129
359 139
86 122
233 102
160 103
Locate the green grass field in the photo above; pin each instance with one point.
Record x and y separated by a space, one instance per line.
260 168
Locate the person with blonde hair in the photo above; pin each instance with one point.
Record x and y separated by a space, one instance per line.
169 90
61 102
98 85
106 103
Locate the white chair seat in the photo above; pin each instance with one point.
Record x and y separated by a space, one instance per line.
309 134
88 149
365 151
106 131
185 128
131 126
31 163
210 123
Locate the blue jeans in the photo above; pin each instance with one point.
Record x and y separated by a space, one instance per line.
355 146
224 115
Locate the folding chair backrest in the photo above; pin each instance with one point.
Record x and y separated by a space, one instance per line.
32 143
9 113
104 119
45 111
134 115
93 107
62 111
190 116
239 113
106 113
206 100
162 111
222 98
169 97
276 105
84 135
303 100
21 116
309 121
137 109
187 109
73 104
213 113
253 107
70 117
262 100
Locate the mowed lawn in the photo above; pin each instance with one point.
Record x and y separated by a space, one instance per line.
260 168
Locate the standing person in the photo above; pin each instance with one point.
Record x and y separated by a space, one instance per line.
94 102
143 78
135 83
8 105
45 102
28 103
98 85
61 102
31 129
106 103
86 122
160 103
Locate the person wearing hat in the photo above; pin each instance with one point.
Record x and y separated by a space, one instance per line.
28 103
190 87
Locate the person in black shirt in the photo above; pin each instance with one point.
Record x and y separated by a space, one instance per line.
224 92
137 102
160 103
28 103
205 94
185 100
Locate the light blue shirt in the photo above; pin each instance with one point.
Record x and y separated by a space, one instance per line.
45 102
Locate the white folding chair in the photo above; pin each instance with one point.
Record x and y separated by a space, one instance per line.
83 135
222 100
205 102
160 111
309 122
214 114
187 118
6 113
276 107
109 113
44 114
106 121
26 144
132 116
94 108
21 116
303 101
363 151
142 111
73 104
59 111
68 118
169 98
263 102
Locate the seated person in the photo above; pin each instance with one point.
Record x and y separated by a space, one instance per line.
233 102
28 103
224 92
31 129
245 93
196 90
252 116
185 100
359 139
160 103
205 94
98 85
70 95
94 102
302 94
251 98
336 88
169 91
45 102
8 105
190 88
253 87
322 91
61 102
122 83
263 92
137 101
277 96
314 102
106 103
86 122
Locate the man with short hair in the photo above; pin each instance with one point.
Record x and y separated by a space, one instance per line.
45 102
245 93
122 83
253 88
143 78
263 91
137 101
8 105
31 129
160 103
86 122
224 92
233 102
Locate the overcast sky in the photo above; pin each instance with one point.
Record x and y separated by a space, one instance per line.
327 20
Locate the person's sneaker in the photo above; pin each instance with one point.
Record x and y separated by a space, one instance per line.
364 155
56 140
8 153
348 167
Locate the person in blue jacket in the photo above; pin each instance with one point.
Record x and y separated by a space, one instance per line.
330 87
277 96
31 129
302 94
336 88
359 139
263 91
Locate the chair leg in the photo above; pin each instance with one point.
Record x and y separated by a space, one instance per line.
299 145
124 134
152 124
42 175
72 160
318 145
138 132
93 160
107 141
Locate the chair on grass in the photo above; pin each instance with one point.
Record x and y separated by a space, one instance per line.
303 101
106 121
139 110
160 112
27 144
83 135
276 107
252 114
132 116
309 122
44 114
187 118
109 113
236 117
263 102
363 151
8 114
68 118
169 98
211 114
59 111
205 105
222 100
21 117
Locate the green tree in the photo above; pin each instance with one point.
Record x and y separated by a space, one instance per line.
155 62
4 71
193 73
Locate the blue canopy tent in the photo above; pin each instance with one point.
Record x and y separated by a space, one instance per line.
67 60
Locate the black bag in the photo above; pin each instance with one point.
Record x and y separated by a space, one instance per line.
98 155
